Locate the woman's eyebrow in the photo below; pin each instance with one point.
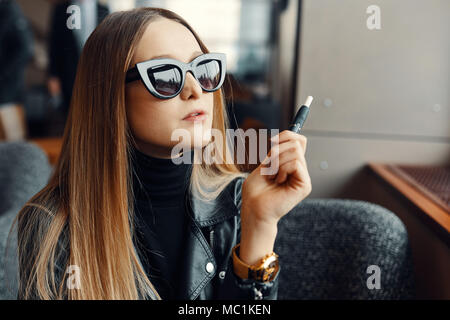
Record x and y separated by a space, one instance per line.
195 55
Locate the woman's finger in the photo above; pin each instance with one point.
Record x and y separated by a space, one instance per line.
287 146
295 169
287 135
285 152
290 168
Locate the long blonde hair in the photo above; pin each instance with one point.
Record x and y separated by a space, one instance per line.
87 205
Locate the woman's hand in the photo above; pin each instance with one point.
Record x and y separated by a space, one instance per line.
269 197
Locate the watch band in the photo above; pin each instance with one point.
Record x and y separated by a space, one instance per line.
265 270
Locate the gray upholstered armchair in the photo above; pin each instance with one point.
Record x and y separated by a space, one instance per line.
24 170
325 245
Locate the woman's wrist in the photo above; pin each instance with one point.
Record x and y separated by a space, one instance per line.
257 239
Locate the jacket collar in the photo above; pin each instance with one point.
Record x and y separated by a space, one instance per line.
210 212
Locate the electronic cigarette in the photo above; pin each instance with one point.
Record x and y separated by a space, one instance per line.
301 115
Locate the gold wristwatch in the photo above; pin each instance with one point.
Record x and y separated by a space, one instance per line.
265 270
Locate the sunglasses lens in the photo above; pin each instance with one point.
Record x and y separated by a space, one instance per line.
166 79
208 74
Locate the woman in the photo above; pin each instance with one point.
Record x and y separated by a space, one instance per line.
118 218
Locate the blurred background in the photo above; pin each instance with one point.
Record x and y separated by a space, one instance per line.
379 125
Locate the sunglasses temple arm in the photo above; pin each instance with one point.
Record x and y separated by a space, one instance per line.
132 75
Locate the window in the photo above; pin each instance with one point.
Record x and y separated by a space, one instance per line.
239 28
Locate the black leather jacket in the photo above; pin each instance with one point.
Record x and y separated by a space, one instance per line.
214 231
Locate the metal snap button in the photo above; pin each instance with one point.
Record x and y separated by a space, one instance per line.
209 267
222 275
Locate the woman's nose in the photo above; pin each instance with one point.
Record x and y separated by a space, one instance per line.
191 88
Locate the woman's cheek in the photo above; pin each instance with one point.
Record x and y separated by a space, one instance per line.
150 128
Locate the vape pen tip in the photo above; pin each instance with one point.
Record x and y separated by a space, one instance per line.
308 101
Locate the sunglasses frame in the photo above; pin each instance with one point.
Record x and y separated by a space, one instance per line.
139 71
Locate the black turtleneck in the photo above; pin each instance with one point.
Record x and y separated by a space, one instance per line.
159 186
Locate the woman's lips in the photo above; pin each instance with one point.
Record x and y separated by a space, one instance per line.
196 115
199 117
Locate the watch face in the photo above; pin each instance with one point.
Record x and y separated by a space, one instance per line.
266 273
271 271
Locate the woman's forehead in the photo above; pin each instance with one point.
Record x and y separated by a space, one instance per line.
165 37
